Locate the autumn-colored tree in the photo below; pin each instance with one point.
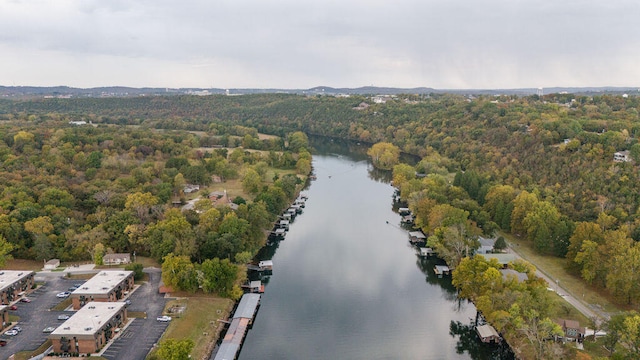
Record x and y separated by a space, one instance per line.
384 155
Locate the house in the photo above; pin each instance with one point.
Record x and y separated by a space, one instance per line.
571 329
416 237
503 259
488 334
89 329
13 283
189 188
52 264
510 273
116 259
622 156
105 286
486 245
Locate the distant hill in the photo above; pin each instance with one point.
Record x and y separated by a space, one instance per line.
122 91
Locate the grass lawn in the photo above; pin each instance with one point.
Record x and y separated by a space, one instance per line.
199 321
21 264
555 268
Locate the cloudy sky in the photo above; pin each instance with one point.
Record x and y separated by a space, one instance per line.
445 44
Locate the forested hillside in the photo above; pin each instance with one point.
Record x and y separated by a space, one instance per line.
540 167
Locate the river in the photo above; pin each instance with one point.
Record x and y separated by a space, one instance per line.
346 283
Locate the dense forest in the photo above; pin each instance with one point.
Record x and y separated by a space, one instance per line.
76 191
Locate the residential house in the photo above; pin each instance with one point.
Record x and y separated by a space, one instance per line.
622 156
486 245
571 329
116 259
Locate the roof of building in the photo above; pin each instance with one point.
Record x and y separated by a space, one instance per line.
426 251
103 282
116 256
486 242
486 331
510 272
442 268
417 234
265 263
53 262
9 277
89 319
572 324
247 306
502 258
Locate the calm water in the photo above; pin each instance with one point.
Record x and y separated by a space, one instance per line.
347 285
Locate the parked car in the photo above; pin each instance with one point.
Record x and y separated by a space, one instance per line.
25 300
63 294
164 318
128 302
48 329
11 332
72 289
3 342
63 317
17 328
77 285
13 307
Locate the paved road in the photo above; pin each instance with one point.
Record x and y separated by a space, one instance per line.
570 298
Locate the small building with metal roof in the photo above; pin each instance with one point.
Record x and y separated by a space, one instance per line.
487 333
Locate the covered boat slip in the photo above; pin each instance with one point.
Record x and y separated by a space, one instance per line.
241 320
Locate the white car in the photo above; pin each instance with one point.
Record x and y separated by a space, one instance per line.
48 329
11 332
63 317
63 294
164 318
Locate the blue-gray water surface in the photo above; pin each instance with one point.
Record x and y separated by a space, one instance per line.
346 283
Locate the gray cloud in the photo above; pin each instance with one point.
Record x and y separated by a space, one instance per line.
286 43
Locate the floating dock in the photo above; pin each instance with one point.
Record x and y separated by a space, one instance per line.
441 270
240 322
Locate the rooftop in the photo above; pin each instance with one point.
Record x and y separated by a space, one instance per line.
89 319
502 258
8 277
486 331
417 234
247 306
103 282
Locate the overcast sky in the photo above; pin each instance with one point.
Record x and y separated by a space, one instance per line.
444 44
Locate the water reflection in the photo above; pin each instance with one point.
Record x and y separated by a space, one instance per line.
345 284
468 343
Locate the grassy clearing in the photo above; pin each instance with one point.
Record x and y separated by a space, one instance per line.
555 268
24 355
62 305
199 322
21 264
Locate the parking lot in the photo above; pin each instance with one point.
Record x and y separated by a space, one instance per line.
133 343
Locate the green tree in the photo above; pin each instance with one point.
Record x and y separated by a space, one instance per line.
630 338
98 253
297 141
179 273
5 250
522 205
252 182
141 204
174 349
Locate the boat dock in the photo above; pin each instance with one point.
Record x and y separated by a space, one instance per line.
441 270
240 323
